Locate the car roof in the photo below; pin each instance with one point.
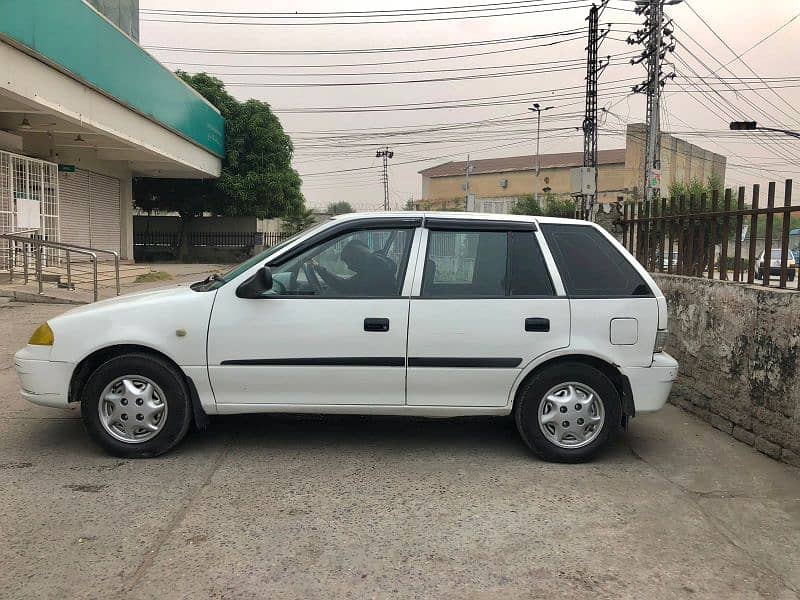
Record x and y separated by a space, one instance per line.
466 216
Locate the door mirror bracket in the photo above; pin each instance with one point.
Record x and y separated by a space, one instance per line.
256 285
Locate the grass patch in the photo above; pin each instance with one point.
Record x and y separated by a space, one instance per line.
152 276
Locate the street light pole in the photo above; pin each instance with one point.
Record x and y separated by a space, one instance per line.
538 109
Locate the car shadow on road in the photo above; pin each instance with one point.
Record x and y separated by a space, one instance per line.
267 433
403 436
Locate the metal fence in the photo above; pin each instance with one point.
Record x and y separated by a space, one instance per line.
216 239
716 237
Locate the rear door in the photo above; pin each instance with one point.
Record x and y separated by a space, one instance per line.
483 307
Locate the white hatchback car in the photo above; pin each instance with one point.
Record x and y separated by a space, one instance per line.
424 314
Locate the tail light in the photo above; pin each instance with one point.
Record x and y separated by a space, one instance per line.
661 340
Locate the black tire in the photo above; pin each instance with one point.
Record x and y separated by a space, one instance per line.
531 394
176 397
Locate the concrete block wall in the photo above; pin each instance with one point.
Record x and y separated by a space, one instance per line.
739 353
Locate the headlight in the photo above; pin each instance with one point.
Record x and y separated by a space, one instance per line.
43 336
661 340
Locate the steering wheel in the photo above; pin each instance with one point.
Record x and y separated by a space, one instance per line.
311 275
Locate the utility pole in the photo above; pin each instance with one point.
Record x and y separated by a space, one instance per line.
593 69
538 110
652 36
467 171
385 154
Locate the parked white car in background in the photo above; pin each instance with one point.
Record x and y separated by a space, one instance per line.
775 264
425 314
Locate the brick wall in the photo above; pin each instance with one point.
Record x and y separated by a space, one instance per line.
739 353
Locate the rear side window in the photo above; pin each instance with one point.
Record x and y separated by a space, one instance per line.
484 264
590 265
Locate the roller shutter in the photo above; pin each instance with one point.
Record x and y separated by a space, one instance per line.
74 207
90 210
104 212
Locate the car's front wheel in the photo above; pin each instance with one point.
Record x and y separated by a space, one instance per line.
567 412
136 406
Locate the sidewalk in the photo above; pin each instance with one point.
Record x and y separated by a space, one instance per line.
180 273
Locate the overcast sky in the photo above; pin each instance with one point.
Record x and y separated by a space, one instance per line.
335 151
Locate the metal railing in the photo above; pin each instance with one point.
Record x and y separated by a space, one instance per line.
721 237
217 239
36 246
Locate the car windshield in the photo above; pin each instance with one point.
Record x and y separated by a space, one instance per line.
215 280
777 254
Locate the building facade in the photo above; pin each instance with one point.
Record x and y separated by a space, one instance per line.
83 110
494 185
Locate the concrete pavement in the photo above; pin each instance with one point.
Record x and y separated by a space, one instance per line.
329 507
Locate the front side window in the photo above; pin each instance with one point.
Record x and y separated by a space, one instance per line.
590 265
484 264
359 264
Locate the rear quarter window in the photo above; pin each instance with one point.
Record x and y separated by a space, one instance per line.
590 265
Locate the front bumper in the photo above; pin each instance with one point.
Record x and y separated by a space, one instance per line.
43 381
650 386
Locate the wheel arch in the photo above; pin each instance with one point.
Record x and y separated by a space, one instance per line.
620 382
84 369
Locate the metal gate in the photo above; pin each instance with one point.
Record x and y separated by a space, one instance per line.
24 179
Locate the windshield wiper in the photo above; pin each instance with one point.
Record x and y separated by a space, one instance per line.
214 277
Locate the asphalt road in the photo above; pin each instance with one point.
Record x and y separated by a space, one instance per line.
349 507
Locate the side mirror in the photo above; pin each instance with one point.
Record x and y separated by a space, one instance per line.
255 286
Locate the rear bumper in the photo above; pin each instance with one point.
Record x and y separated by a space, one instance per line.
650 386
43 382
777 270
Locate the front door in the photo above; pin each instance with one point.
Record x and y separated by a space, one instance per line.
484 308
332 330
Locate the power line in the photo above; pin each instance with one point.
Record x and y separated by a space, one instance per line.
300 20
354 169
762 40
489 42
732 51
523 97
575 37
561 65
348 13
735 77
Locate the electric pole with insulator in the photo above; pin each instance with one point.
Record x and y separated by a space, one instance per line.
593 69
656 37
385 154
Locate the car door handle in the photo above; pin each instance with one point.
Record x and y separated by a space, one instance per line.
537 324
376 324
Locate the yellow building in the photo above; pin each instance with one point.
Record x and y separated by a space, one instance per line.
495 184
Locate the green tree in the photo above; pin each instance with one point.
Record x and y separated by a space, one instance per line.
339 208
257 178
559 206
526 205
298 220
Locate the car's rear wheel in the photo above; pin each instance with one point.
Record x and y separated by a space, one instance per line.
567 412
136 406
